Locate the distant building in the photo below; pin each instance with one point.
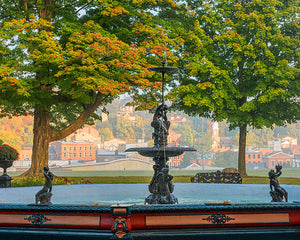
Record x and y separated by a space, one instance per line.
296 153
296 162
72 151
107 156
275 158
87 134
175 162
204 159
215 135
226 142
173 138
177 120
254 159
113 144
25 153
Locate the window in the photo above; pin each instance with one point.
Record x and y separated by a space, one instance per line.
80 155
258 156
90 147
85 154
74 148
70 155
90 154
70 148
280 162
249 156
85 148
65 154
79 148
74 155
65 148
253 156
273 164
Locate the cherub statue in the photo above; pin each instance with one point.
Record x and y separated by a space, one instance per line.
161 126
44 195
277 192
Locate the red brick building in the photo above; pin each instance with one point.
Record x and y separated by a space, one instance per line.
176 161
275 158
72 151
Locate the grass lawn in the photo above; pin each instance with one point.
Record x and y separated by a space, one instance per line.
257 176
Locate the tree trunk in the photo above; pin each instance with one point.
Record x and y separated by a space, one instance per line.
242 150
41 140
43 135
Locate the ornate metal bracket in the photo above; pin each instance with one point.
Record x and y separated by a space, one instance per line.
122 226
218 218
37 219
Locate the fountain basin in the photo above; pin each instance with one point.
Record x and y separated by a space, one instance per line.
161 151
116 211
109 194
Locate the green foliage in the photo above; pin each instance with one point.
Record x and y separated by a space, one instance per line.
187 135
61 60
240 64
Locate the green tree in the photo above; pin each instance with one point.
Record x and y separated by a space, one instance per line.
61 60
240 65
187 134
259 138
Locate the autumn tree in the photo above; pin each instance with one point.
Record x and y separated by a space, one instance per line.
61 60
240 63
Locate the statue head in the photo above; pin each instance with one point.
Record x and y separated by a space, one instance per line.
272 174
278 167
160 110
46 168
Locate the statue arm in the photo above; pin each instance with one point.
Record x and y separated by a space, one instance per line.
46 175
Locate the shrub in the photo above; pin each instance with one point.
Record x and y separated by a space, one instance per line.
8 153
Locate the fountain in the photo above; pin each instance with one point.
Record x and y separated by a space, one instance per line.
161 186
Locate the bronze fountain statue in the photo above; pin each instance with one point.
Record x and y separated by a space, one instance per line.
277 192
161 186
44 195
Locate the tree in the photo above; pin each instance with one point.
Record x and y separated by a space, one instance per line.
61 60
187 134
240 65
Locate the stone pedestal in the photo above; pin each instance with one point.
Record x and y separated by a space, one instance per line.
5 181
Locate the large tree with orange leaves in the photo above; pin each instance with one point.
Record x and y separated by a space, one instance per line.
61 60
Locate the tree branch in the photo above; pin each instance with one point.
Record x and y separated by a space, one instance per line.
79 122
17 6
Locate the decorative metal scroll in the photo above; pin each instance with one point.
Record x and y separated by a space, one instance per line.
217 177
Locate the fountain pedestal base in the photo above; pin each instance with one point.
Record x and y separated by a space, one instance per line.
158 199
5 181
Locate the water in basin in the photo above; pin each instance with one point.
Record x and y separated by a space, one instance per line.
187 193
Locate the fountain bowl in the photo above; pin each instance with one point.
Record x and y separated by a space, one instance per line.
161 151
